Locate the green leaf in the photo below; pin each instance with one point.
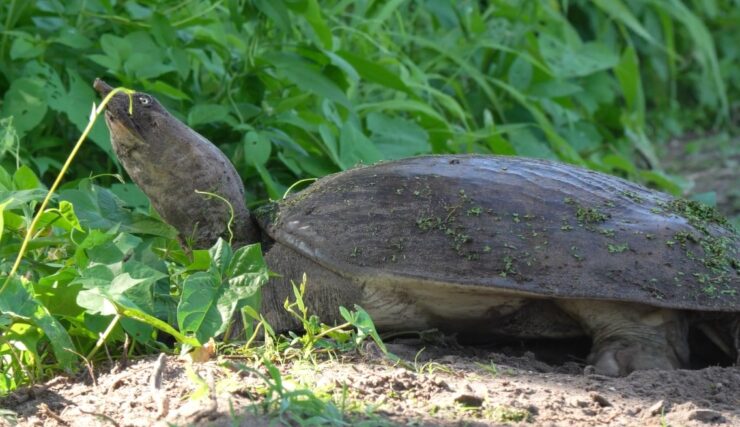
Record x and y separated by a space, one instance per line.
619 162
383 13
355 147
141 65
257 148
56 293
70 36
274 190
201 260
197 312
404 105
277 11
397 138
628 74
6 183
554 89
99 208
25 100
21 197
17 301
361 320
208 113
247 268
520 74
208 303
620 12
527 144
66 210
220 257
2 220
25 179
375 72
583 136
24 48
672 184
166 89
131 195
636 135
701 36
307 77
109 62
570 61
313 16
162 30
75 101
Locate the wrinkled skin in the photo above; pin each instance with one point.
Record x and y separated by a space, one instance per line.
169 161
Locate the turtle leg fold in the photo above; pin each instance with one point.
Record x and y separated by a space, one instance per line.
630 337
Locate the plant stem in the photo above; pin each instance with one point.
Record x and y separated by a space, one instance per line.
59 177
330 330
7 28
104 337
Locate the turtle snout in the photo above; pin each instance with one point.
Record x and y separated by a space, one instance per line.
102 87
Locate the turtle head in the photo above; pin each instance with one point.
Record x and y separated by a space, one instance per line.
134 121
178 169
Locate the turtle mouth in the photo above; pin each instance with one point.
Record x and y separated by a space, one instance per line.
117 115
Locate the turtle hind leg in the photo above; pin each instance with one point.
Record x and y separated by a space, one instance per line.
630 337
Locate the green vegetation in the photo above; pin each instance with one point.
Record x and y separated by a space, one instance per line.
507 414
590 215
617 249
300 88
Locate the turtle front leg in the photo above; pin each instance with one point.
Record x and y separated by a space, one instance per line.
630 337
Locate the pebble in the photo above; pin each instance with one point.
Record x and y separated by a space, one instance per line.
601 400
469 399
657 408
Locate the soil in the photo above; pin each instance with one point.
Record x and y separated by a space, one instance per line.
437 387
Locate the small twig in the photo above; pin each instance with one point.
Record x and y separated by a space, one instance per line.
89 367
99 415
44 408
155 387
254 335
123 361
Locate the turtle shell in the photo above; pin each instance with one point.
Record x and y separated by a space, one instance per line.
533 227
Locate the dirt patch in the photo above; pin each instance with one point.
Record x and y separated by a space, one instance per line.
438 386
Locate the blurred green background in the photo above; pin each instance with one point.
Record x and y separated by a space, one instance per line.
302 88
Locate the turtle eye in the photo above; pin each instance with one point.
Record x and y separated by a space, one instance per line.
144 100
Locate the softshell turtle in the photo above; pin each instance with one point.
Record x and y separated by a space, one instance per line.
475 245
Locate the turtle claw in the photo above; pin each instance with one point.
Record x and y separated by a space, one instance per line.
631 337
621 356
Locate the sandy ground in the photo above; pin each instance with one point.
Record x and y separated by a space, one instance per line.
438 387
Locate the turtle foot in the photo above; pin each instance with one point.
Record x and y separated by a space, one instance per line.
631 337
617 357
